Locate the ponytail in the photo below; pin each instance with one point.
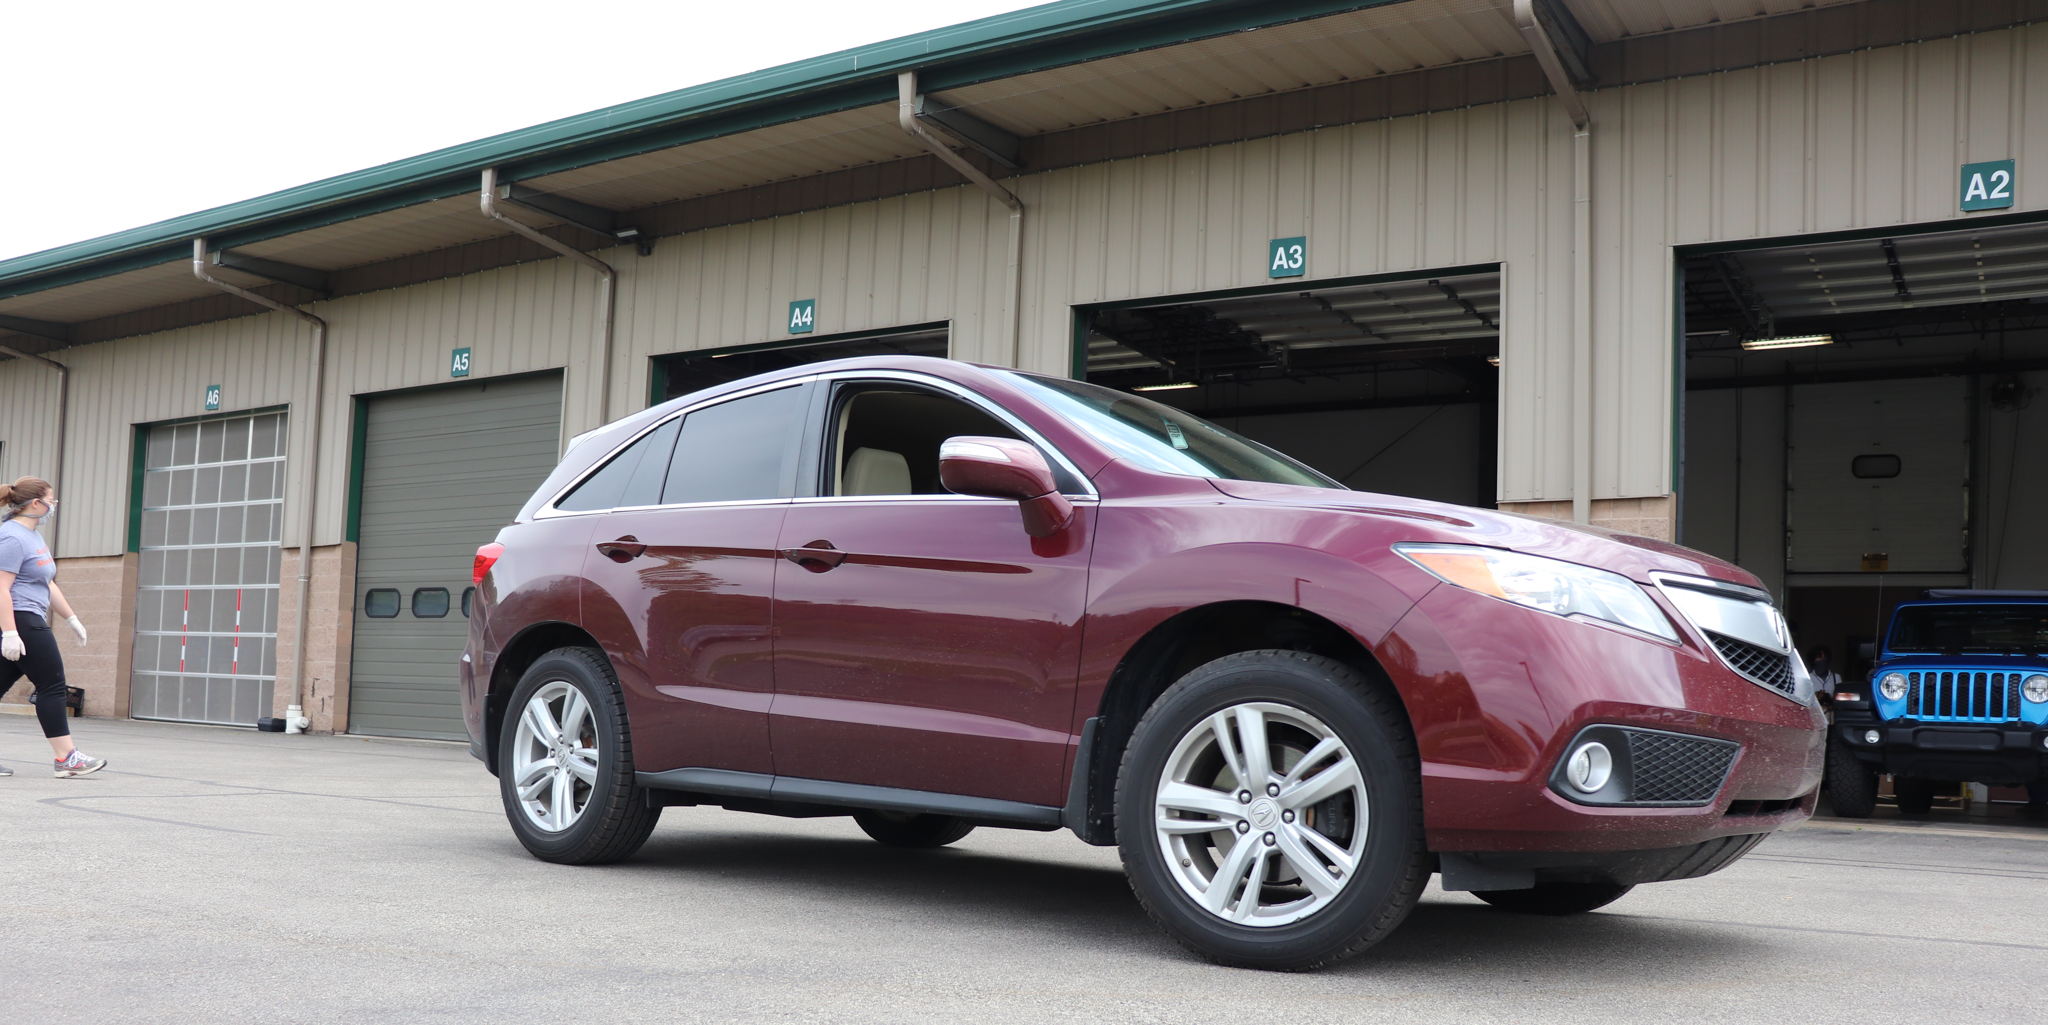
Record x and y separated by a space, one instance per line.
16 496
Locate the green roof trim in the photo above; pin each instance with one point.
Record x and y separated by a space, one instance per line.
1020 42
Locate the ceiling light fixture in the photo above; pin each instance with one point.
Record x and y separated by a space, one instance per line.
1175 386
1786 342
1493 361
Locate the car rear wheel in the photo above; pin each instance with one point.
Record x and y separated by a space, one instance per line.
1915 796
565 763
1851 785
1555 898
905 829
1269 811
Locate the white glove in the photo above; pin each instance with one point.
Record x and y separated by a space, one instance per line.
76 627
10 646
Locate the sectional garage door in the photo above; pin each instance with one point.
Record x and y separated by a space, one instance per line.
442 471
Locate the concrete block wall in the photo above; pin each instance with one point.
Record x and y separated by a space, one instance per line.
1649 517
101 591
328 638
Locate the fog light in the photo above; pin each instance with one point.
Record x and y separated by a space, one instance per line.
1871 736
1893 686
2036 688
1590 767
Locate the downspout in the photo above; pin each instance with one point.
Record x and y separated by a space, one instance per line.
295 720
63 415
607 289
906 117
1545 50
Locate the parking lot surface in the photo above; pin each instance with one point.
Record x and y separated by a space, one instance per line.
223 875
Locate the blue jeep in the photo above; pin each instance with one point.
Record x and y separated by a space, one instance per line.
1959 694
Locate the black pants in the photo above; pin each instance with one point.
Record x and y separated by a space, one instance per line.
44 667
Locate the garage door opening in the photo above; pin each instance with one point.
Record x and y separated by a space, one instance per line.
1387 386
684 372
1863 419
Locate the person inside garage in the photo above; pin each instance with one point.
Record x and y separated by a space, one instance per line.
27 645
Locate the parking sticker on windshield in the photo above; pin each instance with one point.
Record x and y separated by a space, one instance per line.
1174 435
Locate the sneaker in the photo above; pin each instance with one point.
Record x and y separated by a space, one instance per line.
78 764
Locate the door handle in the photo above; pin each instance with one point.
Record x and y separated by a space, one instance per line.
818 556
625 549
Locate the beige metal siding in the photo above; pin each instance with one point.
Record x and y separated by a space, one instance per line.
1873 138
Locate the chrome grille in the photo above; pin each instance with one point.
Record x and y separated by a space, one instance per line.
1963 696
1770 668
1669 769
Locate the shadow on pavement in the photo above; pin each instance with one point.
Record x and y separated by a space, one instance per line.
1068 901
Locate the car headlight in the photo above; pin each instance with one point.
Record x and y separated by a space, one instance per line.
2036 688
1546 585
1892 686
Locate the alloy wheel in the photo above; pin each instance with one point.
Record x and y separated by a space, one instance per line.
1261 814
555 756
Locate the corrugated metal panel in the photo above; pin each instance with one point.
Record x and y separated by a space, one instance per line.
1917 519
1866 139
443 470
1608 20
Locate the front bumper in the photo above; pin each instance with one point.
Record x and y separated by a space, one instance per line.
2005 754
1495 717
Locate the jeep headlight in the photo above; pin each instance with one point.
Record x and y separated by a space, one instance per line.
1892 686
1546 585
2035 689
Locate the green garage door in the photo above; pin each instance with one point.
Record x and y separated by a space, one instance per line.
443 469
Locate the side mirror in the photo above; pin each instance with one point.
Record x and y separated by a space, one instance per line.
1006 468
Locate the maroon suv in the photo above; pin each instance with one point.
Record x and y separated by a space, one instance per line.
935 596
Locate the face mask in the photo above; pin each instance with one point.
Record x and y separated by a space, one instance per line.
51 514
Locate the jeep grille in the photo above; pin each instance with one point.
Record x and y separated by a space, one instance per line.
1963 696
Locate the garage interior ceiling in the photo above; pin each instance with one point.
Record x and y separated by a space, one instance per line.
1375 41
1957 298
1451 321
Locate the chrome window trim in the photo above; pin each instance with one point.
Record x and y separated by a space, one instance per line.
548 509
977 400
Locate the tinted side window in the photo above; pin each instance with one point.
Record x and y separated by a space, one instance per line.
633 477
738 450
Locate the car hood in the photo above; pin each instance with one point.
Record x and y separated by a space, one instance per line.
1989 661
1632 554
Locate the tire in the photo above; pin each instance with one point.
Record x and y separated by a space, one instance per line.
903 829
607 816
1555 898
1851 785
1915 796
1307 911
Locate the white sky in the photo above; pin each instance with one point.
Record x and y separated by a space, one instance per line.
121 113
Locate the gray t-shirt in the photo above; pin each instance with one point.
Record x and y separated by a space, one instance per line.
23 553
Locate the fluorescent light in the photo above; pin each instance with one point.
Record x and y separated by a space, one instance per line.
1493 361
1787 342
1175 386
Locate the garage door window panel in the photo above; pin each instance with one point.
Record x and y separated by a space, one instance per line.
207 583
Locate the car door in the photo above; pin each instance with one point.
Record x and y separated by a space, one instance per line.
923 640
679 580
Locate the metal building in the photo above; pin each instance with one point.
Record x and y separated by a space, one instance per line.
1549 254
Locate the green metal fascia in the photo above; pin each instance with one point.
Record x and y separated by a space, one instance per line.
1051 35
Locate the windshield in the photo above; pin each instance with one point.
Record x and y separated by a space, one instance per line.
1160 437
1952 629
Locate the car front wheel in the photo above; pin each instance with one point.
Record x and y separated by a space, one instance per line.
1269 811
1851 785
565 763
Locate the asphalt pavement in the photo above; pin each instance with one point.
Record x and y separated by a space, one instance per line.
216 875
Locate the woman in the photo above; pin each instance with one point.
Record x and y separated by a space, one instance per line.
27 573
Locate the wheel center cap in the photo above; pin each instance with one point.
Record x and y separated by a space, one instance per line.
1264 814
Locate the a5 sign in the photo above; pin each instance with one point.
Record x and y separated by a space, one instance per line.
458 363
1988 185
